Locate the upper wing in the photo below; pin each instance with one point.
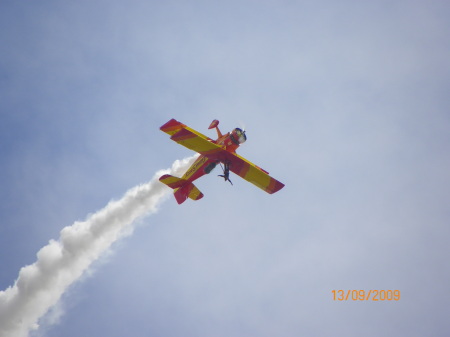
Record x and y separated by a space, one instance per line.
242 167
173 126
190 138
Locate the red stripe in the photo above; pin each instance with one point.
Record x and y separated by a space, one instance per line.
274 186
172 125
244 169
183 134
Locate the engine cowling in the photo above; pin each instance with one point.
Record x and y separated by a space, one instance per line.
238 136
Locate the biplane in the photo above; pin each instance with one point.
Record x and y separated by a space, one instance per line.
213 152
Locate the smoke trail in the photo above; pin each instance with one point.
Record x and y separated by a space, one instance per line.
60 263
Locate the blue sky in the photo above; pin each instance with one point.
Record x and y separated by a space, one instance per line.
346 103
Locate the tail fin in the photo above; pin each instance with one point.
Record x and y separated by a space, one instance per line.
182 188
214 124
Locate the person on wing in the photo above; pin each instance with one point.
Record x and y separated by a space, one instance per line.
226 173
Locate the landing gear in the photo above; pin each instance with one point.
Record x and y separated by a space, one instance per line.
226 172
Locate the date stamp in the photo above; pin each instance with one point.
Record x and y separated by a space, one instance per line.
366 295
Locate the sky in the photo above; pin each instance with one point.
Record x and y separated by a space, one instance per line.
346 103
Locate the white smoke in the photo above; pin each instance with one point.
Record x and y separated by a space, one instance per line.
60 263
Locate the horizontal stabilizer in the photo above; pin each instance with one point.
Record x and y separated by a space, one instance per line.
171 181
183 188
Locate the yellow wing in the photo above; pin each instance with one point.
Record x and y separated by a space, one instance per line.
254 174
198 142
190 138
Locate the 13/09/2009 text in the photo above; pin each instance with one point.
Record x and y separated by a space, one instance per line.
366 295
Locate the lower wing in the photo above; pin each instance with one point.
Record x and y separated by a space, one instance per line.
252 173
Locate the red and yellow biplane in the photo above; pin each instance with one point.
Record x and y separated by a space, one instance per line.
213 152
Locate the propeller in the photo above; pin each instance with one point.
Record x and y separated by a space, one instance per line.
242 126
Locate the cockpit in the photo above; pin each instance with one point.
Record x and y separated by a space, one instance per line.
238 136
